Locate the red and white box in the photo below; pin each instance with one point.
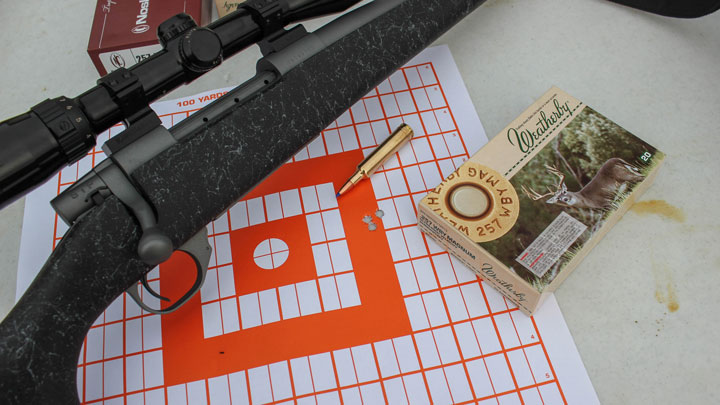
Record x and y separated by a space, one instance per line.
124 32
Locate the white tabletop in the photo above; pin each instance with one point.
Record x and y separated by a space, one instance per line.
657 77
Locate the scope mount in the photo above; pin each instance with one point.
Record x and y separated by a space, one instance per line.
60 131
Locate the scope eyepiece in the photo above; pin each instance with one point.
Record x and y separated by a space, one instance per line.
38 143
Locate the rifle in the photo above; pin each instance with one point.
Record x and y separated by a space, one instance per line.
160 188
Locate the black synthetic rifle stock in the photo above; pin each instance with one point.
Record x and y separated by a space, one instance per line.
191 183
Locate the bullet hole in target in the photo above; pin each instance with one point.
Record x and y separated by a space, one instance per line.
372 226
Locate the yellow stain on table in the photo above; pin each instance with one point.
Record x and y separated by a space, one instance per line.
671 299
659 207
665 292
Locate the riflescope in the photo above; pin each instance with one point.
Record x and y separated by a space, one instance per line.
57 132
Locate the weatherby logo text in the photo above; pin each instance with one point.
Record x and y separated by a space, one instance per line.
141 24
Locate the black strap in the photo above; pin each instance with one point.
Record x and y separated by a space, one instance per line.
674 8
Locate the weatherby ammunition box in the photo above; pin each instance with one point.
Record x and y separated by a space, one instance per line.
528 207
125 32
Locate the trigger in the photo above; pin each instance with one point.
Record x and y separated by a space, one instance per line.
199 250
152 292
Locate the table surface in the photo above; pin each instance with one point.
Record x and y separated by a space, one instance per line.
640 306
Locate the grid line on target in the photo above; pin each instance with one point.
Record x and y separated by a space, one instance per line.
434 299
122 353
478 350
388 371
466 343
333 287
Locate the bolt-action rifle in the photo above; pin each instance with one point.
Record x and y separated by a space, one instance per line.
159 188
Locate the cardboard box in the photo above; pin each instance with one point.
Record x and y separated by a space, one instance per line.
225 7
526 209
125 32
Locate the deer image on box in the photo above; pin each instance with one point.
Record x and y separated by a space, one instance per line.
599 193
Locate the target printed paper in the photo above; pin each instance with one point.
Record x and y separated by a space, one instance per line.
304 304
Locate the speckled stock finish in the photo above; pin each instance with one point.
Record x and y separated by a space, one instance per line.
219 165
41 338
189 185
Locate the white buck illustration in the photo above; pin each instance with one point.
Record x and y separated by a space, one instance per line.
599 193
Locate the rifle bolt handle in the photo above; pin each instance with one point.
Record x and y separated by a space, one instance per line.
154 246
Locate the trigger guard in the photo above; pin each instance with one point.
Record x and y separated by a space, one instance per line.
199 250
149 289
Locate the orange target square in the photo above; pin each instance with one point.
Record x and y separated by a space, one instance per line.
257 246
376 313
